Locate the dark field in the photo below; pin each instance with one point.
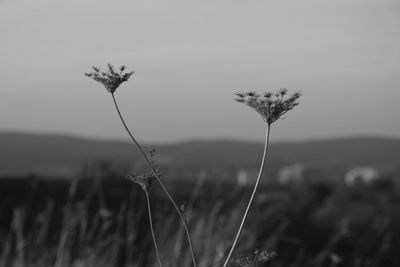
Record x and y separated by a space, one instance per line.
103 222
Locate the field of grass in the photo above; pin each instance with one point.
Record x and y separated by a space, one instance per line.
103 222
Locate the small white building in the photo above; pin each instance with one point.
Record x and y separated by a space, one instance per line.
291 174
246 177
242 178
364 175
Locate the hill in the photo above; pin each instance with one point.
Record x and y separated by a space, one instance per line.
22 153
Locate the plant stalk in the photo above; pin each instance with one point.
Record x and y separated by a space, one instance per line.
159 181
252 195
151 228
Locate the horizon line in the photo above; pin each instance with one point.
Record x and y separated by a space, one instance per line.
190 140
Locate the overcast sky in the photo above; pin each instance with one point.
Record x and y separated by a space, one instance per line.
189 57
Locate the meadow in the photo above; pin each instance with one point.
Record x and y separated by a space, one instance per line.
100 219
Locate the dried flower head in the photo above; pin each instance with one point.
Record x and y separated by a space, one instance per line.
111 79
144 180
270 106
257 258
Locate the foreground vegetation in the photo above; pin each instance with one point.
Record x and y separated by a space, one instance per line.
103 221
270 106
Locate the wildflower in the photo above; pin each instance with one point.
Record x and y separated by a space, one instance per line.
270 106
111 79
144 180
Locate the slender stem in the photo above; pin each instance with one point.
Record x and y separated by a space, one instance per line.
159 181
151 228
251 197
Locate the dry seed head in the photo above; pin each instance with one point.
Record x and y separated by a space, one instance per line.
270 106
111 79
144 180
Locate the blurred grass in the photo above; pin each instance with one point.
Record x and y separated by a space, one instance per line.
102 221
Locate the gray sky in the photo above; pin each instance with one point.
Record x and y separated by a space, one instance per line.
189 57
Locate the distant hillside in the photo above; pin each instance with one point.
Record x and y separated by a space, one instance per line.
52 154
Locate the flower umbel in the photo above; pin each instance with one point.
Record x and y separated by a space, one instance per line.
144 180
270 106
111 79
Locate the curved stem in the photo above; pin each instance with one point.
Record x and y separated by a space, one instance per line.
159 181
151 228
251 197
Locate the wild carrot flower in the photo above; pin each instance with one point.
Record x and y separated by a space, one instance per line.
270 106
111 79
144 180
